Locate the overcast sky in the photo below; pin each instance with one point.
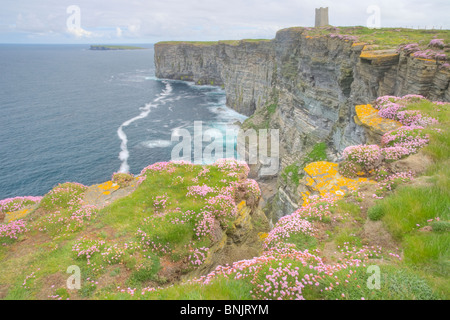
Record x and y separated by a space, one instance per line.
140 21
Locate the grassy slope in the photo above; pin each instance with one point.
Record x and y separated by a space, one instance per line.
411 207
121 257
33 266
422 273
385 37
129 240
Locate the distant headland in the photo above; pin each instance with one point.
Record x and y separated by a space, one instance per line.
103 47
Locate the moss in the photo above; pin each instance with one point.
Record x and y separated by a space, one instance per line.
291 174
375 213
272 108
318 153
441 226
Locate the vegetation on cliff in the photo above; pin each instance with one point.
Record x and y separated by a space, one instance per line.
176 214
419 42
155 242
373 226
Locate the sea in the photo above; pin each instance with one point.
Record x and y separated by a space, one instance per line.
70 114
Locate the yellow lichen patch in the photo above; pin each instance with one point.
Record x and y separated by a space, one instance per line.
358 44
241 205
243 216
320 168
305 197
427 60
366 115
16 215
379 55
106 193
263 235
108 186
325 179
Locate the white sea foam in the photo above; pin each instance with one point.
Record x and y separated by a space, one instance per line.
124 153
156 143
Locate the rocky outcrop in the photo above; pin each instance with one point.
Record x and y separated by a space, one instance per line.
375 126
313 82
243 241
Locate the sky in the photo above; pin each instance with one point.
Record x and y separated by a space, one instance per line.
150 21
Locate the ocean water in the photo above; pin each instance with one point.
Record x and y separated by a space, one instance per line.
72 114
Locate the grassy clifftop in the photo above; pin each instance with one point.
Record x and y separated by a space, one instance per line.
209 43
383 38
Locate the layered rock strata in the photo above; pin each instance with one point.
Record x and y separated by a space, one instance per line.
312 85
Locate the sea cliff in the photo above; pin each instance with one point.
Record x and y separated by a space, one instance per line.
304 84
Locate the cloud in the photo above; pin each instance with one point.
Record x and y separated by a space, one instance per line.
80 33
152 20
30 23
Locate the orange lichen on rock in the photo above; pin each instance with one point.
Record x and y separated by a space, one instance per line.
324 178
263 235
380 57
379 54
367 116
426 60
108 186
16 215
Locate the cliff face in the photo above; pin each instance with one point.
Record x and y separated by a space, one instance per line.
245 70
315 83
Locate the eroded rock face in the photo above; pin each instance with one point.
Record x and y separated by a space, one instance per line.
245 70
315 82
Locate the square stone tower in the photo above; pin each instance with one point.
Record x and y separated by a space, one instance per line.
322 17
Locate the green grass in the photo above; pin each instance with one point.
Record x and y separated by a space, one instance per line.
343 206
440 226
318 153
412 207
302 241
116 225
272 108
429 251
347 236
219 289
375 213
395 284
291 174
385 38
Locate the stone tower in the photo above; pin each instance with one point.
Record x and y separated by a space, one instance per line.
321 17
